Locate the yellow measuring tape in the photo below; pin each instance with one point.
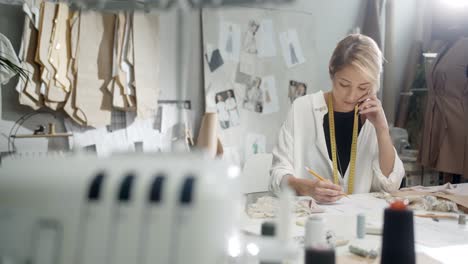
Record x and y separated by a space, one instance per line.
352 162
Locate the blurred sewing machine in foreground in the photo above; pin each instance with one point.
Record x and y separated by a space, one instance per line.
176 208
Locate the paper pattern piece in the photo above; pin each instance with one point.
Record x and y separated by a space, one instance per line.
291 48
254 144
229 40
92 98
266 39
146 48
226 107
270 97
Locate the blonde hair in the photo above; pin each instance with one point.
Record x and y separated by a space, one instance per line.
360 52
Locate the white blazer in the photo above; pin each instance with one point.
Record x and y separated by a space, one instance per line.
301 143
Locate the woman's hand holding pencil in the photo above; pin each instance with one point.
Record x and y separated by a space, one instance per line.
321 191
320 178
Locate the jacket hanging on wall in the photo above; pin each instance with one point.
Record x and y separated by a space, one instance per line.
445 137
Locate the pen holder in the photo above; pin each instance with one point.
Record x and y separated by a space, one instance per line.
398 235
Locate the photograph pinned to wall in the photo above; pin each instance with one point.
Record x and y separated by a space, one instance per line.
270 96
254 144
296 89
253 98
266 39
229 40
226 107
291 48
249 44
213 58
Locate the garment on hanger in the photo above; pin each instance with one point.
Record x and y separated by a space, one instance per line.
445 136
7 51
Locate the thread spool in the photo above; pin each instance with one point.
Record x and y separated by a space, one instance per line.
361 226
398 235
51 128
462 220
315 232
319 256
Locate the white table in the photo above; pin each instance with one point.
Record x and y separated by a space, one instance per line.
445 241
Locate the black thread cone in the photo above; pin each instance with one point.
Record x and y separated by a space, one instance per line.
319 256
398 237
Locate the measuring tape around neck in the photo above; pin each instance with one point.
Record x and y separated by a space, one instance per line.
352 162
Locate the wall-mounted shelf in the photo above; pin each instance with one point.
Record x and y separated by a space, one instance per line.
43 135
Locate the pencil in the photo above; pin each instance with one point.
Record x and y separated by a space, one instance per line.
321 178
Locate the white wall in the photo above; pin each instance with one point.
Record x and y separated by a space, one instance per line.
406 31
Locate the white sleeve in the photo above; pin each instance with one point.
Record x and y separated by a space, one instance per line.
380 182
283 154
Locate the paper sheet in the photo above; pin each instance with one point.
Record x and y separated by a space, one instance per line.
147 56
213 58
270 97
248 63
254 144
83 136
92 97
114 142
445 232
266 39
291 48
227 109
249 44
229 40
296 89
253 97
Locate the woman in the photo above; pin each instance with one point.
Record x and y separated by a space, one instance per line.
370 163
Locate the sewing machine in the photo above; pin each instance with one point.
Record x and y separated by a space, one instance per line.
177 208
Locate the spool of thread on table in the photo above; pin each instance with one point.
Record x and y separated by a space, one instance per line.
361 226
51 128
462 220
317 251
398 235
315 235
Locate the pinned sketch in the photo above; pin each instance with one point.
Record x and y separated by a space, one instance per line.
226 107
232 156
254 144
213 58
266 40
270 97
253 99
249 44
247 63
240 77
296 89
229 40
291 48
